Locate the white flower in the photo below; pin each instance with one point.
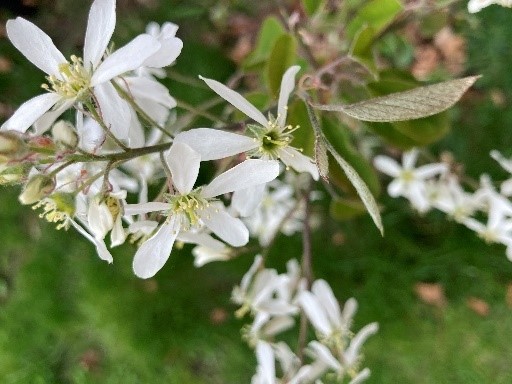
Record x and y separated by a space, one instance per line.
273 204
74 82
448 196
272 137
409 182
506 186
266 370
477 5
498 228
190 208
204 255
323 311
104 214
169 50
259 292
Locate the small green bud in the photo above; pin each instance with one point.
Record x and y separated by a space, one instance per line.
36 188
12 145
13 174
64 134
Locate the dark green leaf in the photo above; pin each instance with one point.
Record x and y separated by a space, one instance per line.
282 57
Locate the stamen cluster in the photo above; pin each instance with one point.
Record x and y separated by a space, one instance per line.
74 82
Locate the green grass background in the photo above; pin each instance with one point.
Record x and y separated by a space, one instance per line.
67 317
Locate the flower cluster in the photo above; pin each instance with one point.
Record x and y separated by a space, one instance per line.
274 301
122 171
433 186
81 173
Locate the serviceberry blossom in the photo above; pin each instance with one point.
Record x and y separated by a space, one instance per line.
190 209
409 181
271 139
336 353
477 5
80 79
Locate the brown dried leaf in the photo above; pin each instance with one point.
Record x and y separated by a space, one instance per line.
218 316
453 48
479 306
426 60
431 293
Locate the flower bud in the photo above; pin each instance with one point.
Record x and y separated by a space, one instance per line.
64 134
13 174
37 187
11 145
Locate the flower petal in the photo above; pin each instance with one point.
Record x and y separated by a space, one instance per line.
114 110
137 209
35 45
166 55
99 218
30 111
44 123
203 239
184 163
429 170
387 165
266 362
215 144
287 86
245 175
324 293
245 201
125 59
228 228
237 100
301 163
100 27
154 252
409 158
146 88
315 312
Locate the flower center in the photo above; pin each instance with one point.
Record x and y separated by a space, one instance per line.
407 176
113 205
272 138
58 208
74 82
188 206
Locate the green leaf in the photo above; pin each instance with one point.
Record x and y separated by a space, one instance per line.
361 188
270 31
406 134
281 58
311 6
303 137
361 48
340 138
414 104
346 209
377 14
389 133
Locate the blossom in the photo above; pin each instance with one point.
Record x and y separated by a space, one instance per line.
75 81
170 49
104 214
324 313
409 182
448 196
276 200
477 5
271 138
190 209
259 290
